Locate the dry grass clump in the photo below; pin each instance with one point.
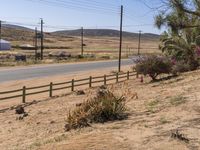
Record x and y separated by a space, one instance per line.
177 100
102 108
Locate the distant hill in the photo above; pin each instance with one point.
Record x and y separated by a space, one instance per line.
15 32
104 32
17 27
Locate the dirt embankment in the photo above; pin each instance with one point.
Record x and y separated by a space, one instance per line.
161 109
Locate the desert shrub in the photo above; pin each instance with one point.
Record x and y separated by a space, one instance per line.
154 66
104 107
105 57
180 67
194 64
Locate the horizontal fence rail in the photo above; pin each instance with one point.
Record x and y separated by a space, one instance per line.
50 88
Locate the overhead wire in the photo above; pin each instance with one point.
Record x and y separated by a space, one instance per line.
93 5
70 27
74 5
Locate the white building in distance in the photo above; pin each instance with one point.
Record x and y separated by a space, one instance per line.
4 45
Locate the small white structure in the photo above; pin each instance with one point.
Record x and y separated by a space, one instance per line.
4 45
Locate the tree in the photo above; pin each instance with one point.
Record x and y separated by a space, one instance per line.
182 21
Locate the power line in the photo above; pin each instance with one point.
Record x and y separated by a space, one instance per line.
91 27
73 27
154 7
73 6
90 3
87 5
22 24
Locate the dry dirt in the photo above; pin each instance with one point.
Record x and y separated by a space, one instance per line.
102 48
14 85
161 108
96 45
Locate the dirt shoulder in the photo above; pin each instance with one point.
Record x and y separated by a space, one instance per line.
161 109
13 85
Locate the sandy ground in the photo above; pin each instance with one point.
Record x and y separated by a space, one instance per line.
161 108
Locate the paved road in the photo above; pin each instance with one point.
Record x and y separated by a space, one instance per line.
59 69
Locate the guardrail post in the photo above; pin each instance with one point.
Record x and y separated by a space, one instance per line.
51 89
117 77
128 73
90 82
24 94
104 79
72 85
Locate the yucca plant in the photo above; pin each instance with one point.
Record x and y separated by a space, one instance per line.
179 49
104 107
182 37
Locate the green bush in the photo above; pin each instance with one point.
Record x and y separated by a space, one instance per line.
104 107
105 57
197 41
154 66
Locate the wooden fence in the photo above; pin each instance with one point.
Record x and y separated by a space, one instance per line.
50 88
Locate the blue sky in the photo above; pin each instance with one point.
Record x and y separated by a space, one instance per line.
73 14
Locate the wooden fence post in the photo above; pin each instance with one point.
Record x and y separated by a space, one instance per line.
72 85
104 79
137 75
117 77
50 89
90 82
128 73
24 94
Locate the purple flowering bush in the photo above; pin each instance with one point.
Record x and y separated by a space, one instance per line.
154 66
180 67
198 51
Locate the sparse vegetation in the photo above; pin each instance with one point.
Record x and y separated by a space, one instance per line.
180 67
151 106
177 100
104 107
163 120
96 46
179 136
154 66
152 114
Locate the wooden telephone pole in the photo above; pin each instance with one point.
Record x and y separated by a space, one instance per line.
139 41
82 44
42 39
120 43
36 47
0 32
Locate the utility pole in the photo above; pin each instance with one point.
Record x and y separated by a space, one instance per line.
42 39
120 44
82 45
36 47
139 42
0 32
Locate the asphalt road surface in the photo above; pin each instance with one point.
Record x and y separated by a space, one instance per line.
58 69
